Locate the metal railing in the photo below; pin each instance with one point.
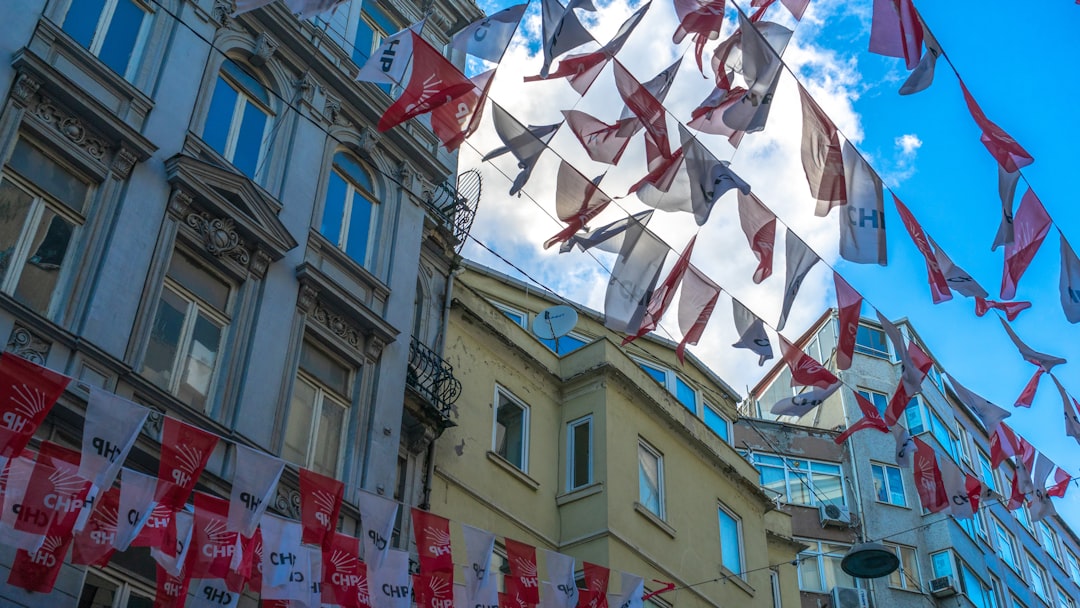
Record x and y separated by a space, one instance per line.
432 378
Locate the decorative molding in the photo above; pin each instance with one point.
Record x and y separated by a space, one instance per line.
332 110
337 325
123 162
154 421
287 502
222 12
305 299
28 345
219 237
405 174
306 85
179 202
417 437
25 87
369 138
373 348
260 262
265 47
71 127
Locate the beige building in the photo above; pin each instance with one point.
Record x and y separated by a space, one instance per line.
617 456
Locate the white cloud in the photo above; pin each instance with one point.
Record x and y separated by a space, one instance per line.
908 143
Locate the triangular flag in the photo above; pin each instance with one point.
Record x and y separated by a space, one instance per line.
849 309
488 37
751 331
800 259
253 485
432 82
759 226
1031 225
939 287
525 143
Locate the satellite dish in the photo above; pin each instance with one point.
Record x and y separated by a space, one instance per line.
555 322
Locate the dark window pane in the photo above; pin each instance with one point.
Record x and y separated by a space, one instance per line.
82 19
871 341
120 40
351 169
45 173
247 82
326 369
199 281
14 207
249 142
334 209
201 360
220 116
566 345
42 270
359 227
581 455
298 429
165 338
510 432
657 374
97 592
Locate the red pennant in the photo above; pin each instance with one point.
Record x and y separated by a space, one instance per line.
320 503
1061 484
523 571
212 545
1005 150
55 494
434 81
900 399
663 295
596 583
344 576
1031 224
849 305
27 393
871 420
1016 495
93 544
939 286
37 571
434 589
698 301
646 107
928 480
171 590
1011 309
254 575
454 122
1028 394
577 200
1005 443
159 532
432 542
185 451
805 371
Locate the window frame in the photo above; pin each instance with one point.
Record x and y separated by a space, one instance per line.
323 393
1036 571
816 551
871 396
874 466
868 350
905 579
125 586
103 27
504 393
724 511
571 452
352 191
671 384
1048 540
1010 540
658 456
788 474
1059 595
727 422
1072 565
236 117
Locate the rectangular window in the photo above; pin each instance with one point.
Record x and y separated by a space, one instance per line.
651 479
871 341
685 394
880 400
1037 578
1048 541
1074 566
889 484
800 481
976 591
1014 602
819 567
579 453
987 472
315 430
913 416
907 575
718 422
100 590
674 383
510 437
941 564
997 592
1063 599
113 30
565 344
189 328
513 314
731 548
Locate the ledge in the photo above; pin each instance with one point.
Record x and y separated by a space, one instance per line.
652 517
732 577
582 492
517 473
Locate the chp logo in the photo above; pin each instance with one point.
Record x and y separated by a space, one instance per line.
439 539
29 403
188 459
106 520
324 503
526 571
440 592
46 556
345 570
218 541
66 484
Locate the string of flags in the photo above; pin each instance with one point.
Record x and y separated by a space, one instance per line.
57 500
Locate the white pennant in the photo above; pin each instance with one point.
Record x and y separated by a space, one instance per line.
633 278
389 62
862 220
631 590
211 593
988 413
18 477
487 38
1069 283
254 483
110 428
136 506
481 587
905 446
174 564
377 524
800 259
283 559
560 590
801 404
751 330
390 584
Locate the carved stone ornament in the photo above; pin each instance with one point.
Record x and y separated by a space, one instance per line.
219 237
25 87
306 298
369 138
337 325
222 12
179 202
332 110
373 348
405 173
123 162
28 345
71 127
305 85
265 47
260 262
287 502
154 421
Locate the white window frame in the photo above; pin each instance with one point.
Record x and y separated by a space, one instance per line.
503 393
1048 540
124 589
817 552
789 481
1035 570
243 96
351 191
510 310
322 395
722 509
670 383
869 394
999 531
644 446
101 30
720 414
1062 599
888 489
195 307
905 576
571 449
865 350
1072 565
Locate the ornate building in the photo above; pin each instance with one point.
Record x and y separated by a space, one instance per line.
198 215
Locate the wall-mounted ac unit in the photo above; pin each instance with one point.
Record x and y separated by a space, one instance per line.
834 515
848 597
943 586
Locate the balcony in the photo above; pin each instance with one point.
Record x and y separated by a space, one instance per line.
433 379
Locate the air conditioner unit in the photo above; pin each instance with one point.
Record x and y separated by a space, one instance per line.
848 597
943 586
834 515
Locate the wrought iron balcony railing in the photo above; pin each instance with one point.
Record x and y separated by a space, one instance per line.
432 378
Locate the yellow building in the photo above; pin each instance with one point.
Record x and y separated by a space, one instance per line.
616 456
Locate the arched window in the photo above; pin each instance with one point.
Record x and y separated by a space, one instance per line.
113 30
349 212
239 118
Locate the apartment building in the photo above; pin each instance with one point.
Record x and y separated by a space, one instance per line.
199 215
838 495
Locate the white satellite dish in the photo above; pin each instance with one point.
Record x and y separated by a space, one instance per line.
555 322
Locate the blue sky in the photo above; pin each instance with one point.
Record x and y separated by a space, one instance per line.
1019 65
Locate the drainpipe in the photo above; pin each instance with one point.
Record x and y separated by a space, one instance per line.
425 503
858 492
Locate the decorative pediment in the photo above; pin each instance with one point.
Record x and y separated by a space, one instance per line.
232 215
331 306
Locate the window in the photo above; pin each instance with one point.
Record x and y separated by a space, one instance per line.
1048 541
880 400
980 595
188 331
935 377
396 536
517 316
819 567
941 564
239 118
651 479
1037 578
1024 519
374 27
565 344
315 431
348 215
1006 545
871 341
674 383
101 591
922 418
43 205
719 423
997 592
113 30
579 453
907 575
963 441
510 438
889 484
987 472
800 482
1074 566
1014 602
1063 599
731 548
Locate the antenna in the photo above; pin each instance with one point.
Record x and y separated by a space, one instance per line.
555 322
